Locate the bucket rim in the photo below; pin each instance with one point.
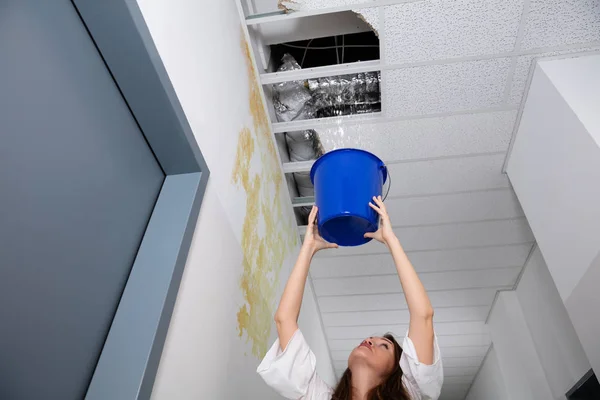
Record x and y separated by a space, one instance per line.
348 149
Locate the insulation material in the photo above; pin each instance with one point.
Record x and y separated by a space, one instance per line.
292 100
346 94
369 15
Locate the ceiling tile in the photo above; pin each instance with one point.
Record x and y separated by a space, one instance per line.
462 361
447 175
454 391
469 234
384 317
341 350
497 277
464 351
464 340
430 261
426 137
439 29
457 380
524 64
459 371
433 89
441 328
444 342
395 301
447 237
561 22
447 208
370 16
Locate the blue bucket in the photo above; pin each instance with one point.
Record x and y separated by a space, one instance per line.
345 180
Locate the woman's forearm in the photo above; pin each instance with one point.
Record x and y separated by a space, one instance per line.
420 329
414 291
286 317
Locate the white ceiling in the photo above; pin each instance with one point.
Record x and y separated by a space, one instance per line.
454 74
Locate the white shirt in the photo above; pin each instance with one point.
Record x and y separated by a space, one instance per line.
292 372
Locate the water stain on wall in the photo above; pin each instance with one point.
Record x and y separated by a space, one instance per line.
265 250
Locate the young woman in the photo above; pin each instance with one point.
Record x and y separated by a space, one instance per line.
378 368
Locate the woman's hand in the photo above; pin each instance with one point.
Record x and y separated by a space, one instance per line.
313 240
385 233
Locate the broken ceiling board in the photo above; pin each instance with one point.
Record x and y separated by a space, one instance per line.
369 15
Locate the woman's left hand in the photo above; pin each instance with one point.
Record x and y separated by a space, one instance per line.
385 233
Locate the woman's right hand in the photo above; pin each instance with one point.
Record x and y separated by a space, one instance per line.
312 239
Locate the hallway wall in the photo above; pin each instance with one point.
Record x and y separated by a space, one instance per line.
560 352
245 242
554 167
489 384
535 346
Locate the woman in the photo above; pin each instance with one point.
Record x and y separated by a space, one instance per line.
378 368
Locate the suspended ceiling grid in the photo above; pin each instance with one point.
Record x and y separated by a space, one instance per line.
454 77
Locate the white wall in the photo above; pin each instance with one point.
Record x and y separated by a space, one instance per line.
518 360
555 165
557 345
582 307
555 169
578 81
536 350
212 347
489 383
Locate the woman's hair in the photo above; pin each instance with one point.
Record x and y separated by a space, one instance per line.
390 389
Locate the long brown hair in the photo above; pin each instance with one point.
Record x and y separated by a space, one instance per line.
390 389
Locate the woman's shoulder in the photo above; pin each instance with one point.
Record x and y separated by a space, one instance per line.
292 371
422 381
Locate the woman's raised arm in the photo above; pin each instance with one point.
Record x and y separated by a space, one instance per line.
286 317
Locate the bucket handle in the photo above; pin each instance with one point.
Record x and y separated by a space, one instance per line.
386 171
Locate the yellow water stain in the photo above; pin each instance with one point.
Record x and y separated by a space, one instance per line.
264 252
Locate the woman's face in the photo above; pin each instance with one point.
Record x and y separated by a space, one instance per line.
377 353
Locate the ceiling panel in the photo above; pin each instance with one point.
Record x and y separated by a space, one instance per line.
429 138
444 342
383 317
464 340
497 277
438 29
561 22
447 237
462 361
459 371
441 328
460 207
441 88
454 391
457 380
340 356
428 261
447 175
524 64
370 16
395 301
464 351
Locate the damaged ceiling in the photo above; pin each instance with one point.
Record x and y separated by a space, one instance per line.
454 75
